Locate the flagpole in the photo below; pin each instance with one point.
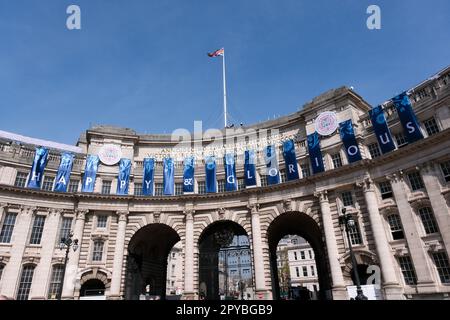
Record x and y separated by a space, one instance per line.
224 91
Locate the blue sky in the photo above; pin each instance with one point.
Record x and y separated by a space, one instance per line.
143 64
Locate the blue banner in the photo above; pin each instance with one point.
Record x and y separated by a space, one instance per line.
314 153
169 176
90 173
407 117
37 169
210 172
124 176
231 183
290 160
381 129
349 140
272 172
188 174
65 168
147 180
250 168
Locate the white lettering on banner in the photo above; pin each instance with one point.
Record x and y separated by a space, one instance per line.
354 148
35 176
74 20
147 183
374 20
273 172
88 181
188 182
386 137
232 179
249 176
62 180
122 184
410 127
317 162
291 168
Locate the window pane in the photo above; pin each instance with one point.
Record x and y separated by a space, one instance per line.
158 189
442 266
445 167
263 180
26 279
347 198
97 253
337 161
355 235
396 226
401 140
106 187
374 150
428 220
415 181
47 185
201 187
21 179
55 281
38 228
178 189
220 185
101 221
305 170
73 185
431 126
385 190
66 226
409 274
8 227
138 189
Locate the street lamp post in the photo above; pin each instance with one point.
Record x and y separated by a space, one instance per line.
349 223
66 243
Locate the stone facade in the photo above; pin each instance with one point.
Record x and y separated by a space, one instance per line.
406 191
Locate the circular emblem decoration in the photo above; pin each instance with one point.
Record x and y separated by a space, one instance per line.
110 154
326 123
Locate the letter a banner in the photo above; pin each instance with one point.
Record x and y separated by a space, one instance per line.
90 173
349 140
250 168
169 172
188 174
63 176
290 160
314 153
37 169
381 129
230 173
407 117
270 157
147 180
124 176
210 172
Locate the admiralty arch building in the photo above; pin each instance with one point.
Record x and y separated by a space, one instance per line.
399 201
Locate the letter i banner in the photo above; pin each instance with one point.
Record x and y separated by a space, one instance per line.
210 172
290 160
407 118
230 173
168 178
250 168
37 169
188 174
272 172
315 154
381 129
65 168
90 173
147 180
124 176
349 140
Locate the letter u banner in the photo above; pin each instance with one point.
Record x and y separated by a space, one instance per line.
147 180
315 154
250 168
230 173
188 174
290 160
349 140
407 117
63 176
270 157
381 129
124 176
169 182
37 169
210 172
90 173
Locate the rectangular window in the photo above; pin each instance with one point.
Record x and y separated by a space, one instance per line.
106 187
73 185
159 189
263 181
38 228
178 189
220 185
396 226
282 176
313 272
297 272
415 180
201 187
445 167
66 226
385 190
55 281
401 140
21 179
2 266
295 255
26 279
138 189
409 274
302 255
337 161
310 254
355 234
241 183
374 150
47 185
431 126
7 227
347 198
101 221
305 170
97 253
442 266
428 220
305 271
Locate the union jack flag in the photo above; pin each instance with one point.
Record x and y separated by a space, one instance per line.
217 53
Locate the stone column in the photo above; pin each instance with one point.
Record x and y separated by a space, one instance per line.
3 207
391 286
339 289
412 235
74 257
189 256
116 280
430 173
11 273
43 271
258 260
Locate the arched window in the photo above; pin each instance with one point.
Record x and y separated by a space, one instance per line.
26 278
55 281
428 220
97 252
396 226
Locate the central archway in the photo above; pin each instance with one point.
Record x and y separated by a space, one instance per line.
300 224
148 252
